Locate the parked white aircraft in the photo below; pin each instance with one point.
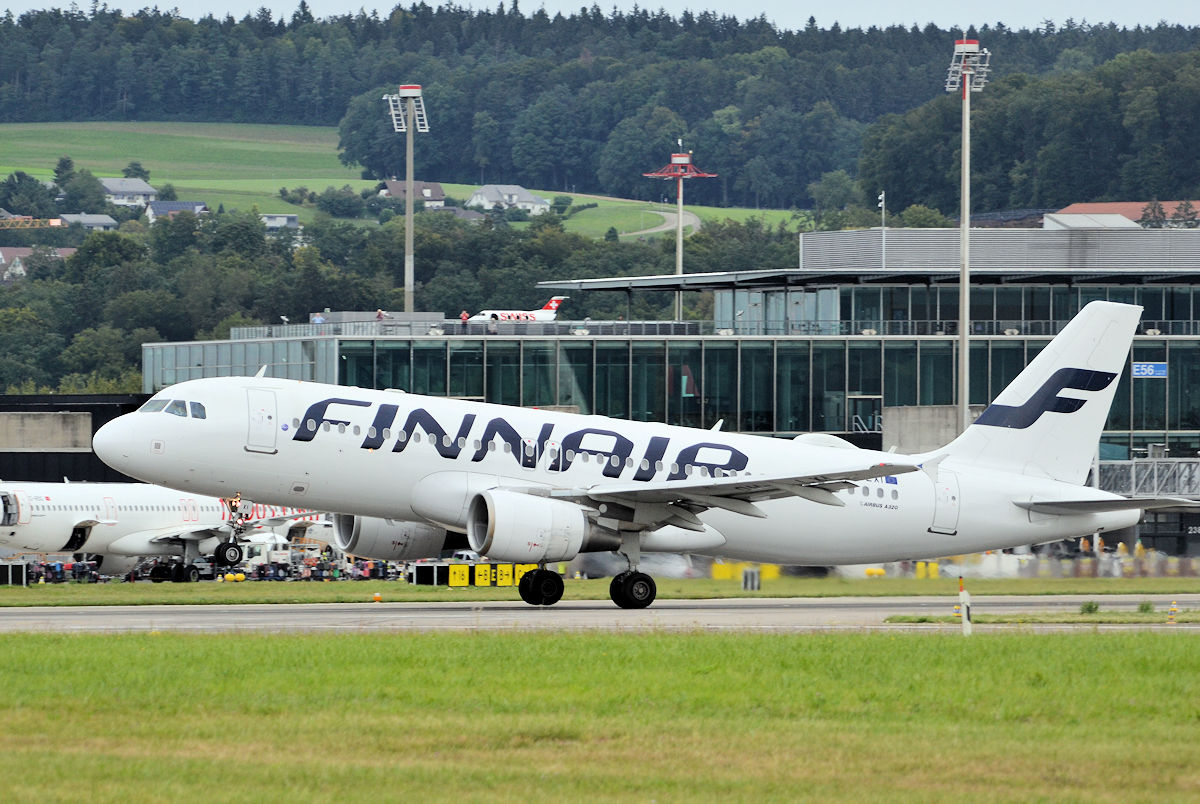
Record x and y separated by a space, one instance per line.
536 486
547 313
118 524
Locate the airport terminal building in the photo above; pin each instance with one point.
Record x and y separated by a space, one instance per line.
866 322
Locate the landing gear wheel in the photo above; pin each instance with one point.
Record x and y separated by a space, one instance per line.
160 573
525 589
191 574
547 587
614 588
636 590
177 573
228 554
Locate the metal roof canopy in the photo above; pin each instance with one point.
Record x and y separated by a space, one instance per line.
779 279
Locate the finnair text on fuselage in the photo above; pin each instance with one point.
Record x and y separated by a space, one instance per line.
617 450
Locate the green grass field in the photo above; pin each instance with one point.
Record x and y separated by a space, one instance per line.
490 716
124 594
242 166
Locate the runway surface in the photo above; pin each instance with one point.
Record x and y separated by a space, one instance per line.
736 614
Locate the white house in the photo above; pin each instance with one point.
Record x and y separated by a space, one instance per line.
507 196
276 221
12 259
428 192
93 223
128 192
158 209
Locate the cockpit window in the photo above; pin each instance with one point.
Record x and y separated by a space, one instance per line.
177 408
153 406
197 410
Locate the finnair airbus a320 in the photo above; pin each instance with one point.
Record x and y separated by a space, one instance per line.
536 486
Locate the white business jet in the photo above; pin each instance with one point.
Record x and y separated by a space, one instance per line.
548 312
536 486
119 524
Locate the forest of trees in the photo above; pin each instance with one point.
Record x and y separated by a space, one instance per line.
589 101
814 118
77 325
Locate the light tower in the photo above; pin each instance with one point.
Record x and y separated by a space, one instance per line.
969 73
408 113
680 168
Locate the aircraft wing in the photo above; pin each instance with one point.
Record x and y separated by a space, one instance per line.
1069 507
677 502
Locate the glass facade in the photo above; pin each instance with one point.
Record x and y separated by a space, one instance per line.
933 310
772 386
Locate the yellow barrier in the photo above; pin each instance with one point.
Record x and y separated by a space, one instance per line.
483 574
504 575
460 575
733 571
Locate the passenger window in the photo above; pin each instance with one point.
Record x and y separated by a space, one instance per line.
198 411
879 492
153 406
177 407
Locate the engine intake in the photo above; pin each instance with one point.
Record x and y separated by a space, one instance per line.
386 539
511 526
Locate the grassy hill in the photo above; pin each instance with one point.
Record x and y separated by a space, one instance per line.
241 166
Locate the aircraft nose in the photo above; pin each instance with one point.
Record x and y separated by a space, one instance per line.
113 442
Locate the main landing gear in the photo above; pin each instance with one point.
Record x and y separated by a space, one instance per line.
541 587
632 590
228 554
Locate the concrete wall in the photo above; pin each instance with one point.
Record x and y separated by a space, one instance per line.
45 432
920 428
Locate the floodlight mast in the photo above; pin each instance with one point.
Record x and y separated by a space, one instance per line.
680 168
408 112
969 73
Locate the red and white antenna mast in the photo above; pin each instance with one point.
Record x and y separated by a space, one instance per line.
680 168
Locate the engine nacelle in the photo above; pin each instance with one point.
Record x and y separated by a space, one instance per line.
517 527
112 564
386 539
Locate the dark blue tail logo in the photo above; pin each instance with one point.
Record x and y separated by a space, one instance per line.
1046 399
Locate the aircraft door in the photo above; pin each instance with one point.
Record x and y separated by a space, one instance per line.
8 509
945 503
23 508
260 437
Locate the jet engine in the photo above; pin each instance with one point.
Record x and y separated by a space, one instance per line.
112 564
386 539
512 526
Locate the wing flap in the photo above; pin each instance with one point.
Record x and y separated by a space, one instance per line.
677 502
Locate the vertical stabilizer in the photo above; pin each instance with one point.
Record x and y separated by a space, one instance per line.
1048 421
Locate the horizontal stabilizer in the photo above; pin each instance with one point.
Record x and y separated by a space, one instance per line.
1069 507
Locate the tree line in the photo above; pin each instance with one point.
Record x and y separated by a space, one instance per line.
584 102
77 325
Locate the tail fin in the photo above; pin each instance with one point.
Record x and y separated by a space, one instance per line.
1031 427
554 302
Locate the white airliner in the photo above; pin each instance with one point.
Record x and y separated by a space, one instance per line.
118 524
547 313
536 486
